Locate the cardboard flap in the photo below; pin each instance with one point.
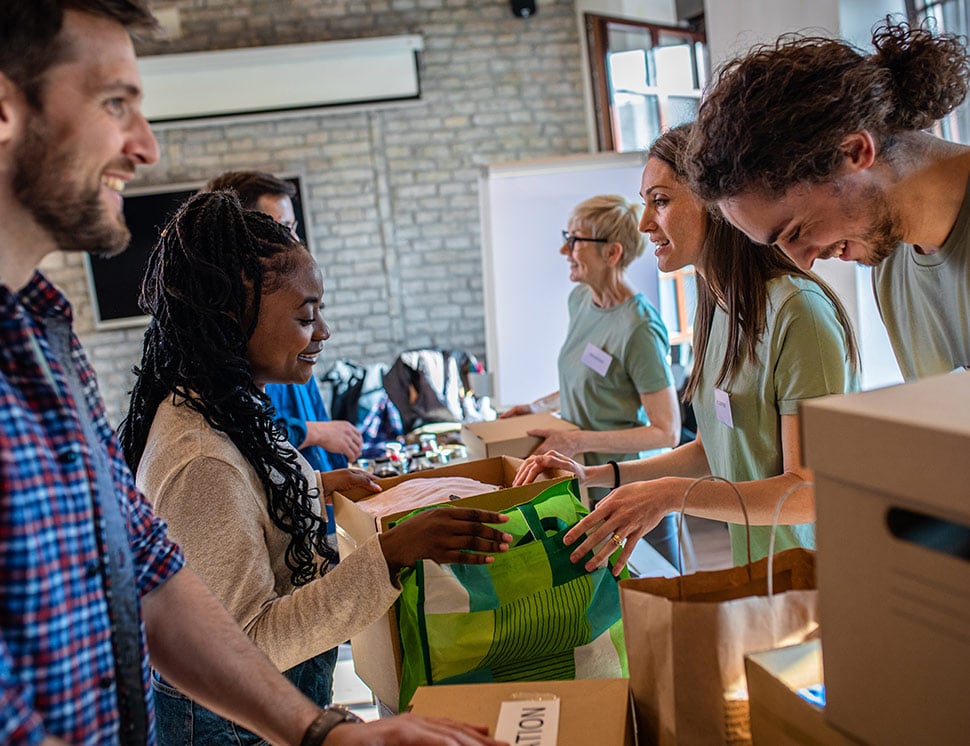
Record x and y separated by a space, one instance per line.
592 711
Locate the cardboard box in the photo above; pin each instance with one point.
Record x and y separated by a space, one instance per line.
892 469
508 437
779 715
591 711
377 650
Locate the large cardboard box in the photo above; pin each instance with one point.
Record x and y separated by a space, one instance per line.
591 711
779 715
508 437
377 650
892 469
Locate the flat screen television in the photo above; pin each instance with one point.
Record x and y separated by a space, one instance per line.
115 282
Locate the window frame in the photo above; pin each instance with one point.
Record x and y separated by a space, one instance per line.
597 38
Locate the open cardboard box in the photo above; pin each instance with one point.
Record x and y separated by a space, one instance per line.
591 711
779 715
508 437
377 650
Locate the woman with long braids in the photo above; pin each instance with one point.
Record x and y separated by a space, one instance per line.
235 303
767 335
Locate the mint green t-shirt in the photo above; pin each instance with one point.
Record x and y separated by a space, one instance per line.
924 301
635 338
803 354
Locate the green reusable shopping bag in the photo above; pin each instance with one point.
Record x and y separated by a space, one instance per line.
531 615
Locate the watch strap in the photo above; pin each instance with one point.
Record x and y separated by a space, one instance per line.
328 719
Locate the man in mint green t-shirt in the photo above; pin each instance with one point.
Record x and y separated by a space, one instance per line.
844 169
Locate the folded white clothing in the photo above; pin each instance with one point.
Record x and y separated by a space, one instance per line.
418 493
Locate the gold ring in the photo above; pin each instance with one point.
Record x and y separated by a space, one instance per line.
617 539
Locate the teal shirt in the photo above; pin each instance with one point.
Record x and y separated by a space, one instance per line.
924 301
634 336
803 354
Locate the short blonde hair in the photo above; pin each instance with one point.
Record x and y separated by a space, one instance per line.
612 217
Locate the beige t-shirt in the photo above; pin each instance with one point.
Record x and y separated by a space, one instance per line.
216 509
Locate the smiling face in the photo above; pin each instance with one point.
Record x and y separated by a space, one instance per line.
673 219
587 263
290 331
76 154
841 219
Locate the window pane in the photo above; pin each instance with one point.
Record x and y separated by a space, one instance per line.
646 78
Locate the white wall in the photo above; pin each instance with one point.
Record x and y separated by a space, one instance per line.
656 11
733 26
857 17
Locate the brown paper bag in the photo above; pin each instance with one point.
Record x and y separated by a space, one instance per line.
686 638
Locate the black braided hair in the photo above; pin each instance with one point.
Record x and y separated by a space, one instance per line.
202 288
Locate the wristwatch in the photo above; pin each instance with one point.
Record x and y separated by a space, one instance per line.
328 719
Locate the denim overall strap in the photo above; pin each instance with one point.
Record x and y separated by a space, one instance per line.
116 567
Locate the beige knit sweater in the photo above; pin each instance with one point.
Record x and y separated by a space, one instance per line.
216 510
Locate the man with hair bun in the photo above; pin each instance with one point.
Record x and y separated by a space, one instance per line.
814 146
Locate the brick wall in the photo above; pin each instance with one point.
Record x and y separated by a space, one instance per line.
392 193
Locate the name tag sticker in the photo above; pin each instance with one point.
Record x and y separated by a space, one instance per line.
528 723
722 407
595 359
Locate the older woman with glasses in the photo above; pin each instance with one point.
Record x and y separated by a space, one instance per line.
614 380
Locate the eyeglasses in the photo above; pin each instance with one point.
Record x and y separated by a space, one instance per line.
570 239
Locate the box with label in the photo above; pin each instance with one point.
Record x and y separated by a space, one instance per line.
508 437
545 713
780 715
892 469
376 650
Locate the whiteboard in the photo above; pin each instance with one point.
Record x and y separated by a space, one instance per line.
524 208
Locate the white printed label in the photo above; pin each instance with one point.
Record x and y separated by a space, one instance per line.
595 359
528 723
722 407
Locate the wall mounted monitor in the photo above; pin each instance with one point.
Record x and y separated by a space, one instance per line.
115 282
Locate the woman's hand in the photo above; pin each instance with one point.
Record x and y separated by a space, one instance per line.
627 513
517 410
445 535
566 442
534 466
348 479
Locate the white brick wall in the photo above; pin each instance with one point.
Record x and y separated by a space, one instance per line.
391 193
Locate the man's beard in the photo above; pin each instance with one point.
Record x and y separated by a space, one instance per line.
73 215
884 233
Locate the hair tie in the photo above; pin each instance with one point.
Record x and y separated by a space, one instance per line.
616 473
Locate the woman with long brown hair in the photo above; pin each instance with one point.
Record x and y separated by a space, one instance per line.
767 335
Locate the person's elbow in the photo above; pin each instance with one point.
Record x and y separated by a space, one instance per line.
670 433
668 427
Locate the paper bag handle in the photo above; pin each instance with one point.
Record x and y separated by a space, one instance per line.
680 521
774 525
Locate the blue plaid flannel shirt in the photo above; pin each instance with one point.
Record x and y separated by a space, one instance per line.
56 662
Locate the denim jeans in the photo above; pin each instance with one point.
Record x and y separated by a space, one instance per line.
179 721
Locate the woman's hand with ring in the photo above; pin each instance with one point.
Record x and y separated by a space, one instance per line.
620 519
